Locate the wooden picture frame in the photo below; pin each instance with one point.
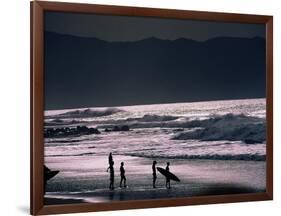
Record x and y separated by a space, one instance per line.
37 106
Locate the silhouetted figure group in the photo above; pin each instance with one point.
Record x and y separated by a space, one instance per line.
168 185
123 177
111 169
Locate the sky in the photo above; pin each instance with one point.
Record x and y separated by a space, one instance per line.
98 60
123 28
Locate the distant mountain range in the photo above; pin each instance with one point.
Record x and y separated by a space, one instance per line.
85 72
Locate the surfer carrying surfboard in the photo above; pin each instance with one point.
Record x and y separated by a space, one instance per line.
168 175
168 184
154 173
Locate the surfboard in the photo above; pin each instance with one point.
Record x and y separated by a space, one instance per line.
50 174
168 174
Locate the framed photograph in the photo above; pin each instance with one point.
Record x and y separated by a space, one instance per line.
141 108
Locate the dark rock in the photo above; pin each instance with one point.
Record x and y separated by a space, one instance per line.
116 128
82 128
93 131
250 141
125 128
78 131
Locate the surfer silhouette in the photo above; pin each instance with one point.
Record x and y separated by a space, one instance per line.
122 174
154 173
48 174
46 170
110 160
168 185
111 168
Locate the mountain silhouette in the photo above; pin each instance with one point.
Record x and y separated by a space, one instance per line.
85 72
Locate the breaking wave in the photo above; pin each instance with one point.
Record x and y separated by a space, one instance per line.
153 118
67 155
146 121
87 113
58 122
231 127
245 157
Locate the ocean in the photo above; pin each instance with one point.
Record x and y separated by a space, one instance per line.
229 130
214 147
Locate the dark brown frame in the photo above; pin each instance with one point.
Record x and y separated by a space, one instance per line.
37 105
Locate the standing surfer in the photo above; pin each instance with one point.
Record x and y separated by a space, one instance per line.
168 185
111 169
111 179
110 161
154 173
122 174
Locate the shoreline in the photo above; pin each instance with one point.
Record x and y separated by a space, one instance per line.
198 178
61 201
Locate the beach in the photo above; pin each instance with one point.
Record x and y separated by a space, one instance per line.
214 147
88 181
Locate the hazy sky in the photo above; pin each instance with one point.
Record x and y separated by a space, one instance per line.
123 28
82 71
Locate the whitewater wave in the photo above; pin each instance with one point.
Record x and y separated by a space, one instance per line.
250 130
87 113
146 121
230 127
153 118
58 122
73 155
245 157
150 121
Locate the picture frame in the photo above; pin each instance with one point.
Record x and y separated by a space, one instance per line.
37 13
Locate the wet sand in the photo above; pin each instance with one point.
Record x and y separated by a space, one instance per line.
59 201
84 179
